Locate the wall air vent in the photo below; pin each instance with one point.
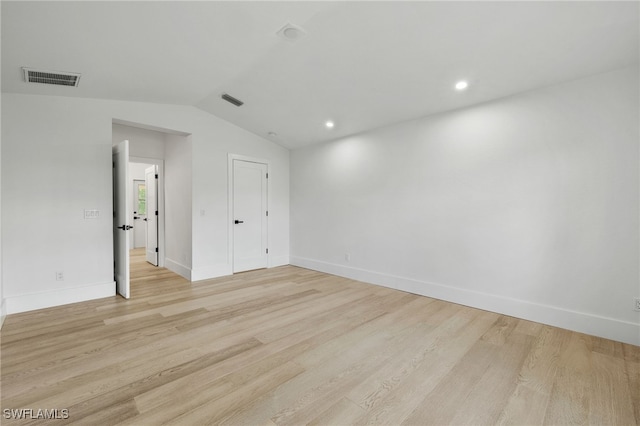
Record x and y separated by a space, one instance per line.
231 99
51 77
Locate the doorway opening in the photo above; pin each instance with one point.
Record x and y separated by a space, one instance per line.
147 213
142 223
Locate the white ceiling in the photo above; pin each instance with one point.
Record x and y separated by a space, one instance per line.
361 64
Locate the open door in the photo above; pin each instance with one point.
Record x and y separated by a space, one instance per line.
151 182
121 209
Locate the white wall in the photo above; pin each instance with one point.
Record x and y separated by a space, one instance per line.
56 162
137 171
142 142
526 206
178 201
3 311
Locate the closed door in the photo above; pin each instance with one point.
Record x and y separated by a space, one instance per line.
250 249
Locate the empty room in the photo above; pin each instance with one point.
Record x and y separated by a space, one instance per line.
320 212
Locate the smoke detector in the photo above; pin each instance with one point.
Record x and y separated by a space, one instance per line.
56 78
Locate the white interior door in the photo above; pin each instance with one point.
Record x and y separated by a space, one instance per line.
139 214
250 216
121 208
151 182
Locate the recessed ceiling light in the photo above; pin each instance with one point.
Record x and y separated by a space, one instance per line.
461 85
329 124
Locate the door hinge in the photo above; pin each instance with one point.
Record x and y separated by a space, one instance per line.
267 251
156 249
267 213
156 212
267 175
156 176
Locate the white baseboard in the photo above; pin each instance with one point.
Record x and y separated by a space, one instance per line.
3 311
178 268
57 297
609 328
214 271
275 261
223 270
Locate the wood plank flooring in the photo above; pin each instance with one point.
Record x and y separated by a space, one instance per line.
289 346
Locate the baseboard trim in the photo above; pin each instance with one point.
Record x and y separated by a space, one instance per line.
3 312
275 261
209 272
223 270
57 297
582 322
178 268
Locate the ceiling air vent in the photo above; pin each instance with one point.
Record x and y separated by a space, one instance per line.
51 77
231 99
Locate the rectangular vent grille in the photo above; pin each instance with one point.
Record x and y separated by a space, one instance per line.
231 99
51 77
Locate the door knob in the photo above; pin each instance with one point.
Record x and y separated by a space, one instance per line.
239 221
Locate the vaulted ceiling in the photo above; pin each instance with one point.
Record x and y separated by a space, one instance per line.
361 64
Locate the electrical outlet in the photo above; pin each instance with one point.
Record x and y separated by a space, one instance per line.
60 276
92 214
636 307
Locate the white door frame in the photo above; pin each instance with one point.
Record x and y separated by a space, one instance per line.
230 216
160 164
151 177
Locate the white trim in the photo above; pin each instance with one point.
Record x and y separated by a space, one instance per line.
148 127
230 158
57 297
213 271
178 268
278 261
3 312
609 328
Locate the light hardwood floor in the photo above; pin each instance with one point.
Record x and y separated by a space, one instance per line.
289 346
